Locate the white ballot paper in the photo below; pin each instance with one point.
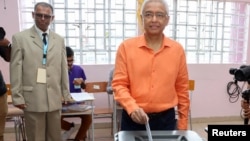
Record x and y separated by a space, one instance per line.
80 97
149 132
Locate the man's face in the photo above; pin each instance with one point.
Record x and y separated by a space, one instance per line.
154 18
43 16
70 61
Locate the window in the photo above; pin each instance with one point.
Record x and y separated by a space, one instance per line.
211 31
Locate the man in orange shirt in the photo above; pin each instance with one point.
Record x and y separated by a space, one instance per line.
151 76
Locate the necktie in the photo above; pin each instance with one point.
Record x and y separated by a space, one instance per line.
44 38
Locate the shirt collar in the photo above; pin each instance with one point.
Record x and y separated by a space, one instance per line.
142 41
40 32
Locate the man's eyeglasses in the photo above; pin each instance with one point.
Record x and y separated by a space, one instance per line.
45 16
158 15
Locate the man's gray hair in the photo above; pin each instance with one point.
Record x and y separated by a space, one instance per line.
161 1
45 4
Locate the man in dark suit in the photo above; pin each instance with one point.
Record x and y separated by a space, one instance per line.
5 48
39 76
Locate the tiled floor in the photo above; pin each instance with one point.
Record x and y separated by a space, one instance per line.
104 134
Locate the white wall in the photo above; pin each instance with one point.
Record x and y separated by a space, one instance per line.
209 99
210 96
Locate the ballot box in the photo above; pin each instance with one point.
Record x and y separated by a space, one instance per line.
175 135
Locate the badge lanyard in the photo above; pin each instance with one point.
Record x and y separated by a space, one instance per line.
45 47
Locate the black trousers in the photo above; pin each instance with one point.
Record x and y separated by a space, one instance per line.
157 121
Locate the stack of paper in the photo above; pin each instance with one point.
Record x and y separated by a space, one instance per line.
80 97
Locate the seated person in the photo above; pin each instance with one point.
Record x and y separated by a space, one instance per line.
76 83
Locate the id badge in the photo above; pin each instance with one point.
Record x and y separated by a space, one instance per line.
41 75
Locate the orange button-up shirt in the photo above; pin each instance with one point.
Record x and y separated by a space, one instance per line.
154 81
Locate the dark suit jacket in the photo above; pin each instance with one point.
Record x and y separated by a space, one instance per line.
5 53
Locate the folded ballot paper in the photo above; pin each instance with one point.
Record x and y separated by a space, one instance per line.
79 104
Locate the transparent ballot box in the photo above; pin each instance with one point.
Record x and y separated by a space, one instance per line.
176 135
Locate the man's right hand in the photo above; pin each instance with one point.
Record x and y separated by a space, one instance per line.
139 116
68 100
21 106
78 81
